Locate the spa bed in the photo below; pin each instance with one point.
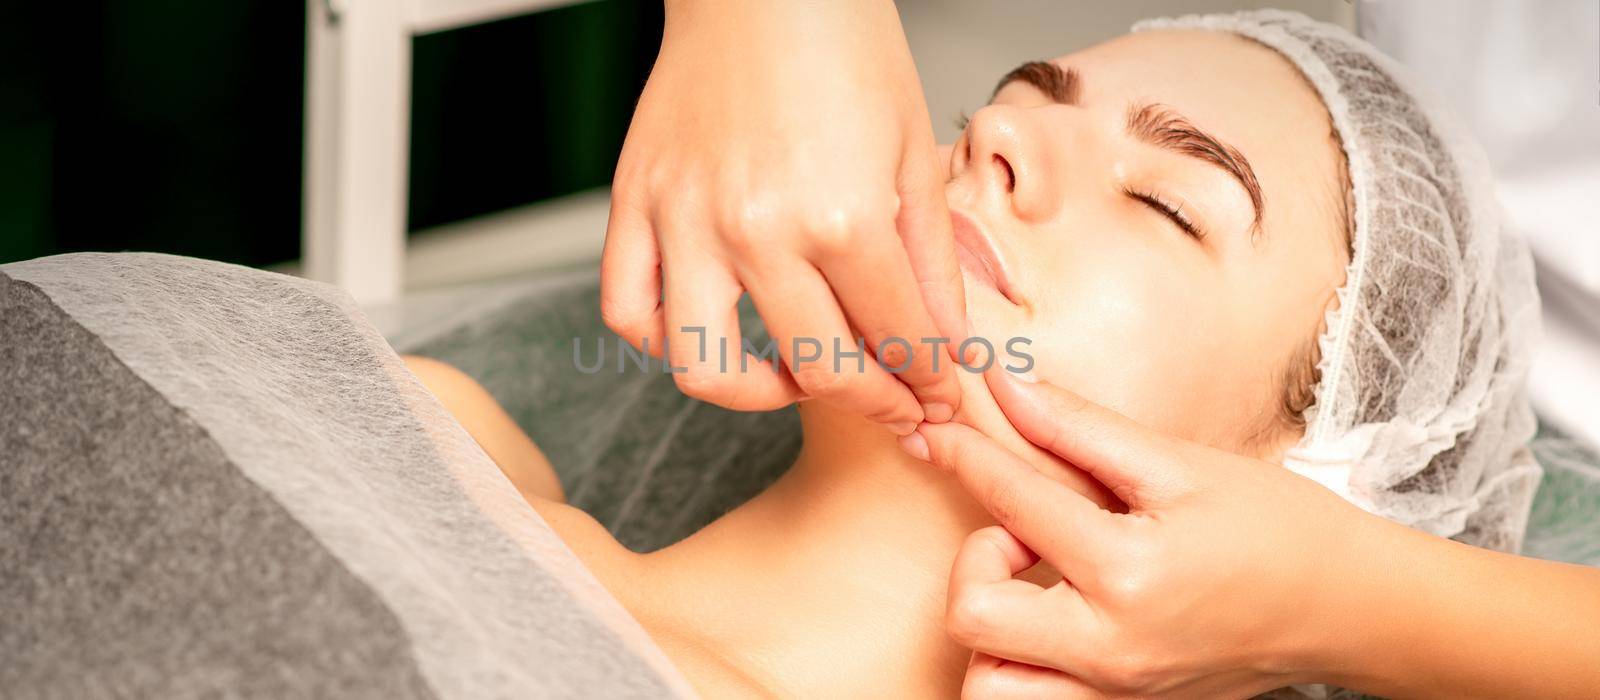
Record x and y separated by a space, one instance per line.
221 481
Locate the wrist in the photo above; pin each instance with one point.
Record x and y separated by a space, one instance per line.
856 8
1390 611
1363 608
806 22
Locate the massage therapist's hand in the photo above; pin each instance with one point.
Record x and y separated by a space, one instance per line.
1219 581
1229 576
784 148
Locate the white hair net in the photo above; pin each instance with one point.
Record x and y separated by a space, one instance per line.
1420 414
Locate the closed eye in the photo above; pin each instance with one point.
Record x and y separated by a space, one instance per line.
1174 213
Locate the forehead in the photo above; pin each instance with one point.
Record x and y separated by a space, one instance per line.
1228 84
1243 93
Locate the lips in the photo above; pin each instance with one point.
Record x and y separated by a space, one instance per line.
979 256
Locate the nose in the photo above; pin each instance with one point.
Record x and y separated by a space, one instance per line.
1004 156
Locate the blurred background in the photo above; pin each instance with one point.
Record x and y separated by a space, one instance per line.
181 127
402 147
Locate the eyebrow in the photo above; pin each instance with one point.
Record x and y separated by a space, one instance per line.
1159 126
1155 124
1060 85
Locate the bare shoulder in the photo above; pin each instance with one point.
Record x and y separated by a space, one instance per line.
494 430
619 570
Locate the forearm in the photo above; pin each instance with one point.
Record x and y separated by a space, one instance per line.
785 47
1444 619
852 15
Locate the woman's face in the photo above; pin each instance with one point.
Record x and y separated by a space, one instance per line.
1162 216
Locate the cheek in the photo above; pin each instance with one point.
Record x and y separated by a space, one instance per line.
1129 330
992 316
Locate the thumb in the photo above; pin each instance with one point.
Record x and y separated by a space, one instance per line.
924 226
1140 466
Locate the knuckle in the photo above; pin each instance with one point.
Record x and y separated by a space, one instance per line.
1071 404
818 379
679 213
742 242
748 227
699 381
837 226
642 178
1128 586
755 220
623 319
1004 501
1125 493
1107 675
954 455
894 355
1135 575
1124 673
890 414
967 617
658 176
993 536
756 213
831 234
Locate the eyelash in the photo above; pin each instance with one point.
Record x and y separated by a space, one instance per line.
1175 214
1149 199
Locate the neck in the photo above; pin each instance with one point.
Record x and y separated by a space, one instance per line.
832 581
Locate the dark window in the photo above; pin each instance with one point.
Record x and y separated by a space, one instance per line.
525 109
177 126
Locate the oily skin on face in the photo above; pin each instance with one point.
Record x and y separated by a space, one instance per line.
1187 334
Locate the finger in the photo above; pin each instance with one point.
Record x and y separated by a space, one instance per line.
806 324
703 338
875 285
630 276
1135 462
945 151
1063 526
924 226
996 555
988 557
993 678
990 611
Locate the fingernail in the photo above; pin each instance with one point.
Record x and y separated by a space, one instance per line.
915 445
937 412
903 428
